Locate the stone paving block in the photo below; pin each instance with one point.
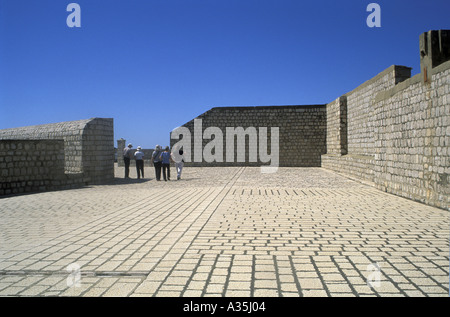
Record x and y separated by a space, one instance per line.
147 288
237 293
315 293
12 290
266 293
192 293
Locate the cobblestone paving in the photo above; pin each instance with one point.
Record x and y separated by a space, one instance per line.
223 232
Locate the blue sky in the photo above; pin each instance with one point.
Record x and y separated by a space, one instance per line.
153 65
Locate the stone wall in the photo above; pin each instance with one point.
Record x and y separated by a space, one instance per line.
412 139
98 150
337 142
350 126
71 132
34 165
88 151
393 131
360 111
301 130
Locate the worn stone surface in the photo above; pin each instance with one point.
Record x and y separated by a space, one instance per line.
228 231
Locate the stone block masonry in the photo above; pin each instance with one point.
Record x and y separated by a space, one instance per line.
302 134
98 150
34 165
393 131
412 140
351 127
85 153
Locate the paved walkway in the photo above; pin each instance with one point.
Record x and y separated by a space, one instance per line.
223 232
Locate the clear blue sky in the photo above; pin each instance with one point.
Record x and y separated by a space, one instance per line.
153 65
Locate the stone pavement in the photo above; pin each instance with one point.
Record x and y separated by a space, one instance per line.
223 232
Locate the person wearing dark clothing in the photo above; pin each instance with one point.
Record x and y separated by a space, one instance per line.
126 159
165 158
156 159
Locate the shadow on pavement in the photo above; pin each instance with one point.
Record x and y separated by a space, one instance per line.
126 181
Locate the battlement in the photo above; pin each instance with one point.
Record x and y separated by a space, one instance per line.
434 50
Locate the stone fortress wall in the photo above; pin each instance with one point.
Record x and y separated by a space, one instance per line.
302 134
351 126
406 147
56 156
392 132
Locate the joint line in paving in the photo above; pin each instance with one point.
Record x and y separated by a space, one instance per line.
297 283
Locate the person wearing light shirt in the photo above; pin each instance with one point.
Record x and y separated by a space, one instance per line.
178 158
139 156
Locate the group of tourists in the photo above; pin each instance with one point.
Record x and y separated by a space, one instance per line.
160 159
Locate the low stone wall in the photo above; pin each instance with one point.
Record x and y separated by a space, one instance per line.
34 165
98 150
357 167
88 145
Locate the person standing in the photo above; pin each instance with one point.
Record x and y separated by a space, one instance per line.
126 159
165 158
139 156
156 160
178 158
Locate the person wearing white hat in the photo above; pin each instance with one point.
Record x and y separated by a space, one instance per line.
126 159
139 156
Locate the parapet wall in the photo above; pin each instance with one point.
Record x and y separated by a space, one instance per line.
393 131
360 128
412 140
351 126
70 132
98 150
34 165
86 155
